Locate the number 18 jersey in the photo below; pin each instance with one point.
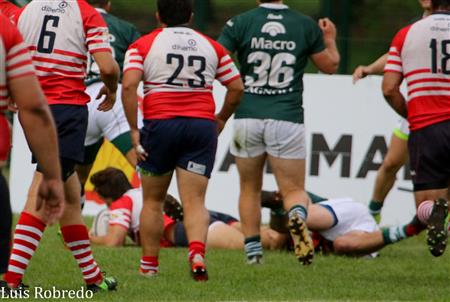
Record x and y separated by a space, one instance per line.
273 44
59 35
421 53
179 66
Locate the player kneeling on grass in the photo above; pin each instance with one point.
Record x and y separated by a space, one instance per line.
341 225
111 227
178 66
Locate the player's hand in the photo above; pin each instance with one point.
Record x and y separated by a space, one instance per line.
220 125
360 73
140 151
328 28
51 198
108 102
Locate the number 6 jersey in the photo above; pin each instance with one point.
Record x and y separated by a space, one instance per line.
59 35
421 53
179 66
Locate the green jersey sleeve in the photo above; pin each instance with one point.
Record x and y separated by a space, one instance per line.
315 39
230 35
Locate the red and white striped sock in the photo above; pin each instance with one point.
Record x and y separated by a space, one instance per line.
424 211
77 240
28 234
149 265
196 248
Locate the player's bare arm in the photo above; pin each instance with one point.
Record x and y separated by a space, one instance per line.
376 67
392 94
40 132
327 60
109 73
115 237
130 85
235 90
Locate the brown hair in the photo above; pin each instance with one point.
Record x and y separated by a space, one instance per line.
110 183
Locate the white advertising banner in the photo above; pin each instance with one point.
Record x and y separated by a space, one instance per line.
348 131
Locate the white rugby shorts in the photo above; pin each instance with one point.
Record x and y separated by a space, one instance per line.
281 139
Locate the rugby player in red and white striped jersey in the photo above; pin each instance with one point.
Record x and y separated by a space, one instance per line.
18 82
420 54
60 34
178 66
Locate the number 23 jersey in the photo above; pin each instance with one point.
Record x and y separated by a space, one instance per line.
273 44
59 35
179 67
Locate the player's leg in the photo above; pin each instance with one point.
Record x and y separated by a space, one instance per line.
395 158
151 223
429 149
286 150
5 224
289 174
84 169
251 176
249 150
358 243
5 206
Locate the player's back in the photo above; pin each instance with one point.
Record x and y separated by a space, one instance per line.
273 44
179 66
59 34
421 52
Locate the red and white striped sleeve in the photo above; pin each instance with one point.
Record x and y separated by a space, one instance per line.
18 59
394 62
133 59
96 30
227 71
120 212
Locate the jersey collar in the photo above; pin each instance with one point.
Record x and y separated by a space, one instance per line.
274 6
101 10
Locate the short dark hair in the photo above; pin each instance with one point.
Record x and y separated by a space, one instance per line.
110 183
175 12
443 4
267 1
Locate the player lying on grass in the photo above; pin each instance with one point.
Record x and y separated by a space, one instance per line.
341 225
125 205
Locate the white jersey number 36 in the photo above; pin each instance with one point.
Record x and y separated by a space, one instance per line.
277 72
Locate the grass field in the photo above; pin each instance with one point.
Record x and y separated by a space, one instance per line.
405 271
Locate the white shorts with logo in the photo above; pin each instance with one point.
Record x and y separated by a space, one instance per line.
109 124
351 216
281 139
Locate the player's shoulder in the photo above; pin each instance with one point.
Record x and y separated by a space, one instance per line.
8 31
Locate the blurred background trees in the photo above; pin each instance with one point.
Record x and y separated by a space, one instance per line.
366 27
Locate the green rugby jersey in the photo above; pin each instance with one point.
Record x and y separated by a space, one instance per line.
121 35
273 44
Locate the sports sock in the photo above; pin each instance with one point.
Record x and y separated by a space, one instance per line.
28 234
424 211
298 210
375 207
77 240
196 248
5 224
414 227
253 246
149 263
393 234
